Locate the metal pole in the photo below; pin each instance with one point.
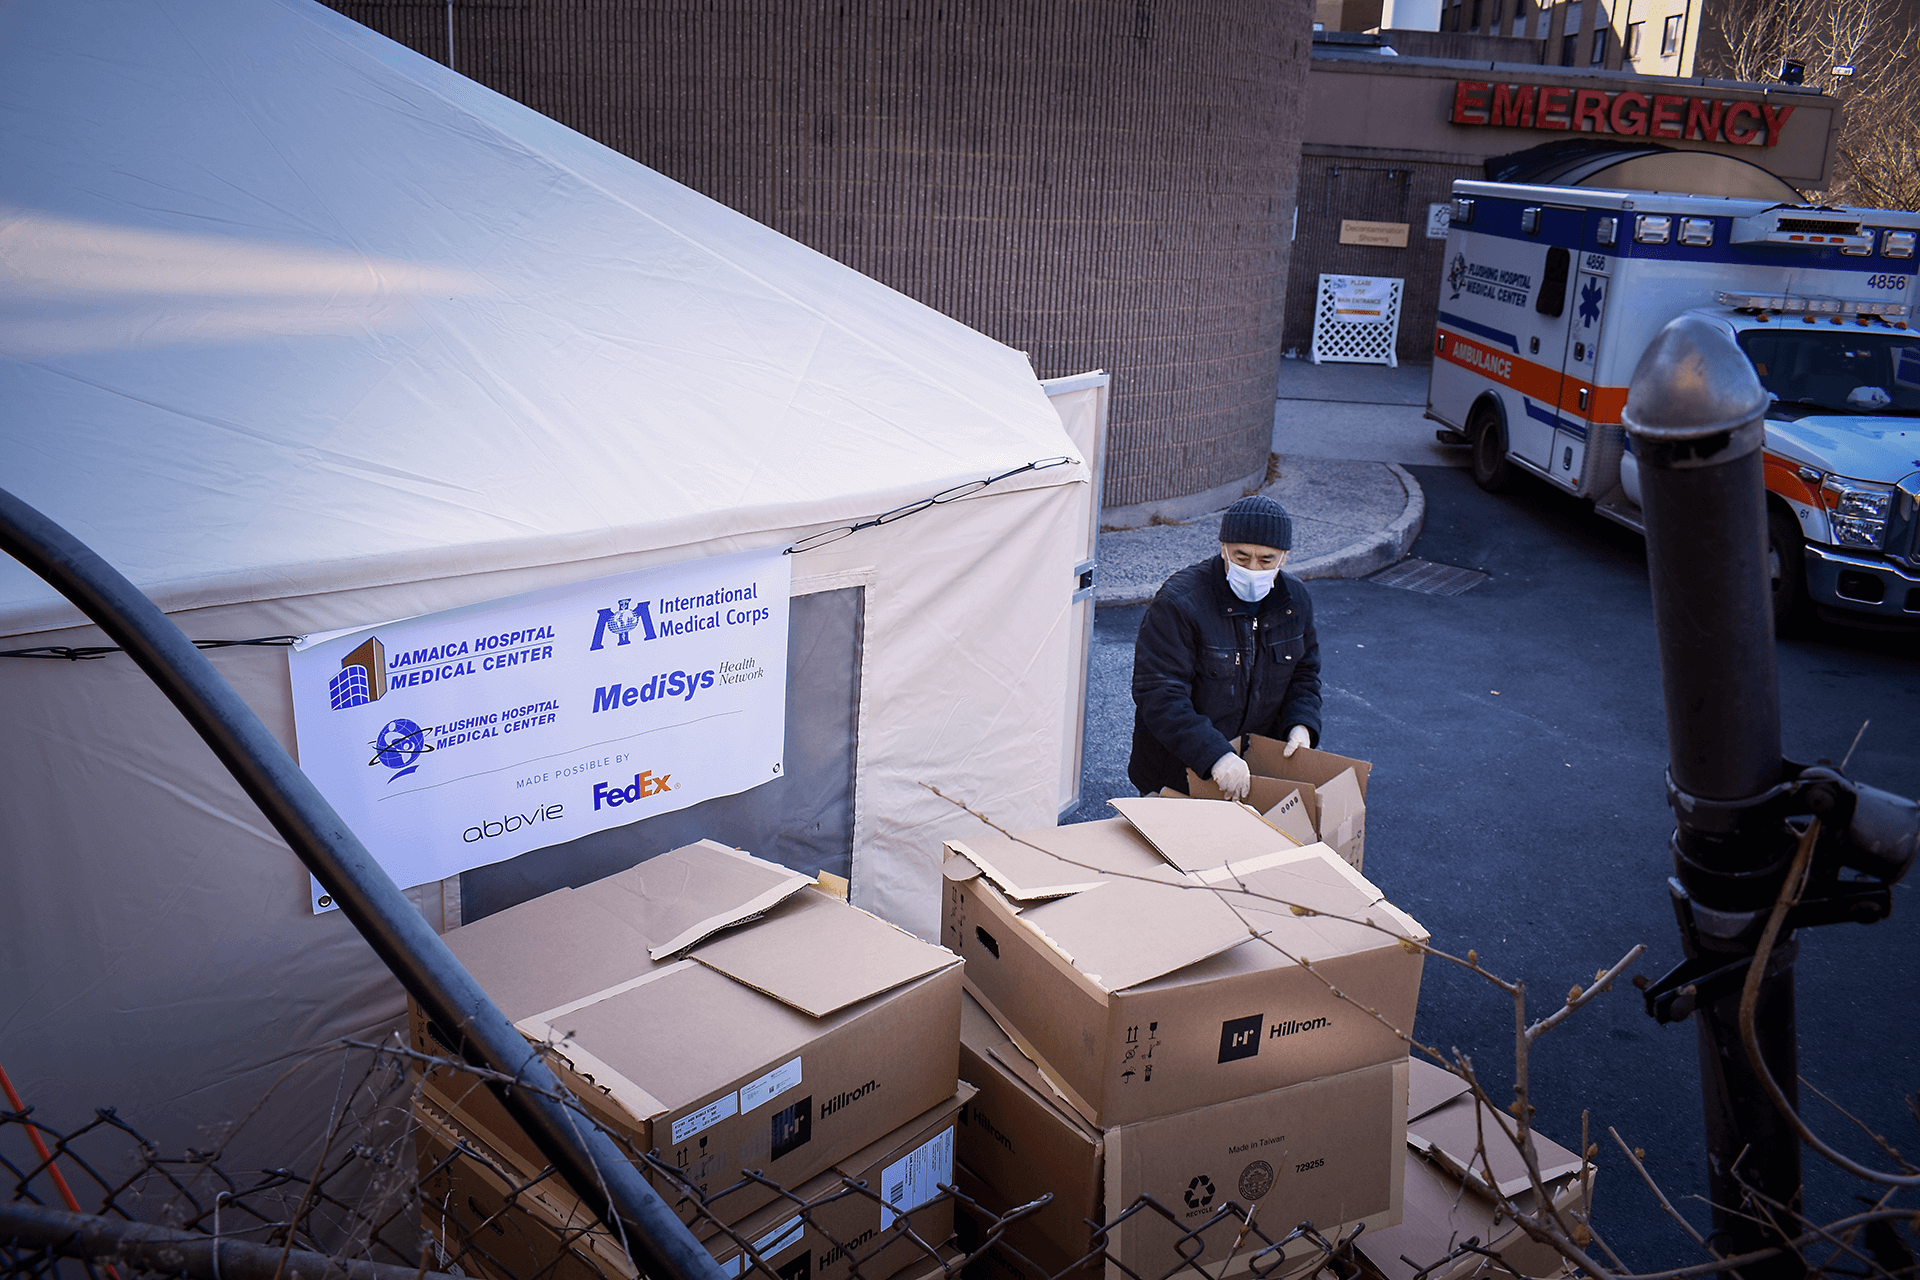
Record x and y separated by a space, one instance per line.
1697 414
592 1165
163 1251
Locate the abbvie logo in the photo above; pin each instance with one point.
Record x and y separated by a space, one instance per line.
510 822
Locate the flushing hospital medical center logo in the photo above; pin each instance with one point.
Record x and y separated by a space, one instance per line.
363 679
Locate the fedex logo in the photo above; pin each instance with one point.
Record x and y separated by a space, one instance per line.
644 784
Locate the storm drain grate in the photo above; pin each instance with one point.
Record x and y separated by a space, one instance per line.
1426 576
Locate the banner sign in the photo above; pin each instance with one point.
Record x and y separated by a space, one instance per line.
457 739
1361 299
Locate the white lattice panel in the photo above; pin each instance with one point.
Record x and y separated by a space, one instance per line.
1355 342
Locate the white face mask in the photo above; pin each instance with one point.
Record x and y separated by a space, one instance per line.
1251 585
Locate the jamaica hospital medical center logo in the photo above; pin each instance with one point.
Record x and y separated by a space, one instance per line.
363 679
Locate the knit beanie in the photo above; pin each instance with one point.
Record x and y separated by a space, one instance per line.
1259 520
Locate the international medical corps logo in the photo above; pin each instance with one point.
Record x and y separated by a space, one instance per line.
621 622
1457 273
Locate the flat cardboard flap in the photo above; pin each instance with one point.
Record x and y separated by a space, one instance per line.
544 952
818 955
1131 929
1430 1086
1319 901
1268 757
622 1036
1020 871
681 897
1451 1136
1195 837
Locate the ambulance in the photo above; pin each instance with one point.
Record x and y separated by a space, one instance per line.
1551 294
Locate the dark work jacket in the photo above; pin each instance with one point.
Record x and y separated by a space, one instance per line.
1209 667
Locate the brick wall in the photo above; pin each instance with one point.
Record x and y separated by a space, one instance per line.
1098 183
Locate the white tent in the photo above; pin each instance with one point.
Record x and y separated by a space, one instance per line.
302 331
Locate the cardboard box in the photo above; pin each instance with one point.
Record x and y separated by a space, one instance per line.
480 1213
1330 1151
719 1009
1021 1141
1332 790
1143 990
1019 1251
1444 1131
471 1195
839 1231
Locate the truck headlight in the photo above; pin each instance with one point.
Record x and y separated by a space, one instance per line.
1858 510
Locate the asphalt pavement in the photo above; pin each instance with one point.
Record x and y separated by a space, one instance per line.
1342 436
1517 807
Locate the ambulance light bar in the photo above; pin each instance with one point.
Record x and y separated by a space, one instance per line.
1811 306
1795 227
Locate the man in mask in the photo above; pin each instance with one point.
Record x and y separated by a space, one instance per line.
1227 648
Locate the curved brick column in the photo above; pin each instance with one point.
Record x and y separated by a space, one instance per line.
1098 183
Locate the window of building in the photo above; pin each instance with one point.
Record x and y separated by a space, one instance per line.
1567 46
1670 36
1599 47
1475 24
1633 38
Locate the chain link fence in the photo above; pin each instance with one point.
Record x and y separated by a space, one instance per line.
398 1187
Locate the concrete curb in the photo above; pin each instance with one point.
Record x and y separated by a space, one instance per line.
1355 560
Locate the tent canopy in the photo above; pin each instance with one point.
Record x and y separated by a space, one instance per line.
303 331
286 307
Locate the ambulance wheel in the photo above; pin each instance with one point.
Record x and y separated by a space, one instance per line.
1491 470
1787 569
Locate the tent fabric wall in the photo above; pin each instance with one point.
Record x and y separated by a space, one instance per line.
303 332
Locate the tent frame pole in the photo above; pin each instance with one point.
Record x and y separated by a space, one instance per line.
593 1167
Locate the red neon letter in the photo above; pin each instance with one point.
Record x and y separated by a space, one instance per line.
1634 121
1513 105
1776 121
1666 115
1590 104
1737 130
1469 102
1553 107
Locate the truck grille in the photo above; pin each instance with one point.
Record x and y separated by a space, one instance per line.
1820 227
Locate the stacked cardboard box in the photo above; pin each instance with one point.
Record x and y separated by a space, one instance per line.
1198 1008
485 1211
1458 1153
722 1011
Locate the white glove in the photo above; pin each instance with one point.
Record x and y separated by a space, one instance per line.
1231 775
1297 737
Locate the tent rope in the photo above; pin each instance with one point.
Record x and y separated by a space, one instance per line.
89 652
814 541
809 543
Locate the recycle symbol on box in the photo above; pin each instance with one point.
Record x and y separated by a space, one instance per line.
1200 1192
